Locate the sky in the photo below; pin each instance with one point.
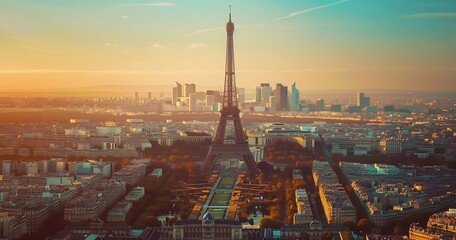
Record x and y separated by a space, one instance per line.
319 44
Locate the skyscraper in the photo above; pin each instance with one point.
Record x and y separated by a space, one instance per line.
266 92
295 105
320 104
209 100
241 95
177 92
281 96
192 102
362 101
257 94
272 104
216 94
189 88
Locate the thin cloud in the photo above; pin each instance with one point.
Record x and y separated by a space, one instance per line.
293 14
158 45
204 30
155 4
125 17
432 15
197 45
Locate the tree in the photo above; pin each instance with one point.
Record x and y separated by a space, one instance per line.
269 223
351 225
327 235
261 178
364 225
125 162
399 230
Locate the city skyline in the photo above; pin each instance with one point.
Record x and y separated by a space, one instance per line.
97 155
57 46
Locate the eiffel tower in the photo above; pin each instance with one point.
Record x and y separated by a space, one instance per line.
230 111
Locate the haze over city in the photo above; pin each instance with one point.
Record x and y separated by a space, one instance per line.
321 45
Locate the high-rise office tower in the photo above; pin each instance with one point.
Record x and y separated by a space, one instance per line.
362 101
266 92
320 104
272 104
216 94
189 88
209 100
295 105
281 97
257 94
149 95
192 102
241 95
136 96
177 92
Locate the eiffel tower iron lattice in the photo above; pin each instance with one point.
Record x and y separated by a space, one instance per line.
230 111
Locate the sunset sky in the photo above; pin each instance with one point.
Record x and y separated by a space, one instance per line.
324 44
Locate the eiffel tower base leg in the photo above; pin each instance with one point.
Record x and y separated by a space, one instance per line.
240 151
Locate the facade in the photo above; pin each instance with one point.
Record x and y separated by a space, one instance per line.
91 204
177 92
304 214
36 210
295 105
6 167
135 194
445 221
206 228
440 226
391 146
320 105
281 97
130 174
119 212
272 104
241 95
418 233
314 231
192 102
336 108
96 228
12 226
266 92
336 204
362 101
257 95
189 88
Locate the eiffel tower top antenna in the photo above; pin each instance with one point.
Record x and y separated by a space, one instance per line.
230 13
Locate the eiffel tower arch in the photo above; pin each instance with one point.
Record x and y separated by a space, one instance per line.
230 112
